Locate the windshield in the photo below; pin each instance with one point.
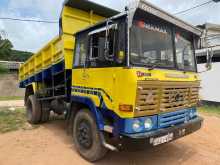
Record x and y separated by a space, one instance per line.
152 46
184 53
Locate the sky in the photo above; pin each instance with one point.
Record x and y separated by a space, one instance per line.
31 36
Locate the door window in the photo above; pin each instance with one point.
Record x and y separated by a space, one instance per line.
81 51
102 49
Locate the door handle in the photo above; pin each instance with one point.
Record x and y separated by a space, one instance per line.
85 75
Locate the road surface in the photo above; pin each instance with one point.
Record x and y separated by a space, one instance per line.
50 145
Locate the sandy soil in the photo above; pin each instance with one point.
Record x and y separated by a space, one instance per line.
50 145
13 103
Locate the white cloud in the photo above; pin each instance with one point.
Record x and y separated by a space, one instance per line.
47 8
32 36
206 13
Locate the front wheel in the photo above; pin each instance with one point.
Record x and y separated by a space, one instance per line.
86 136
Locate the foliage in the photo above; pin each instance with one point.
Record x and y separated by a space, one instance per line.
212 110
19 56
8 54
5 47
3 69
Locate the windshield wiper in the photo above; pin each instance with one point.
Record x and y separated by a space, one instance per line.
152 67
156 63
151 64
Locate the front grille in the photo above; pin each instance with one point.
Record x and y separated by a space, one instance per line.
174 98
154 96
173 118
147 99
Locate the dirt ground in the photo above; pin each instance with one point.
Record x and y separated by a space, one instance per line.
13 103
50 145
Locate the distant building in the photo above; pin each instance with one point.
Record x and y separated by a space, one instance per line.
210 91
211 34
11 65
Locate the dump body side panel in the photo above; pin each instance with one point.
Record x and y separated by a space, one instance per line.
52 53
60 48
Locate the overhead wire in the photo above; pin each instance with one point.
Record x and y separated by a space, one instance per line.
28 20
194 7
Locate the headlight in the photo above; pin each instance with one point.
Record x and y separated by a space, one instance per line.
136 126
148 124
140 125
193 113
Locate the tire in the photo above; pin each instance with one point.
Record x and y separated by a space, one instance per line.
45 115
33 110
86 137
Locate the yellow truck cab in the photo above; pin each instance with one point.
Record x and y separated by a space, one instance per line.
122 80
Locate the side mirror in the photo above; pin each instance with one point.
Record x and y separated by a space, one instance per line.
110 41
208 65
209 59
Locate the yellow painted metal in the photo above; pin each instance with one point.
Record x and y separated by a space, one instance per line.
74 20
47 56
121 84
61 47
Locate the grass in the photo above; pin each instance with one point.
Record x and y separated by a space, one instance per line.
12 120
211 110
3 70
6 98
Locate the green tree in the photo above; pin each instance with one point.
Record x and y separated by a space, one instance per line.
9 54
5 48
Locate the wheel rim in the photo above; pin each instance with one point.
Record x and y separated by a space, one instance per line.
84 134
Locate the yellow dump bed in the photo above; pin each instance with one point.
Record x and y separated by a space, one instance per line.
50 54
76 15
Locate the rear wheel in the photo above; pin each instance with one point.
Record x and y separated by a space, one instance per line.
86 136
45 115
33 110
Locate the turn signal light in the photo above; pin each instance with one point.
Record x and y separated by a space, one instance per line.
125 108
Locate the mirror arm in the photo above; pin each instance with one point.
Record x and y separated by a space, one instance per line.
106 49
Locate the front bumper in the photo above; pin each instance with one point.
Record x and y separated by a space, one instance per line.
143 140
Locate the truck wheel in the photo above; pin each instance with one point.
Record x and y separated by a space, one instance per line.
45 115
33 110
86 136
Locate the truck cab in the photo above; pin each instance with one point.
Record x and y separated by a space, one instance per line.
138 70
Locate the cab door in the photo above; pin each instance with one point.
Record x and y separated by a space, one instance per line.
99 55
99 72
79 64
106 56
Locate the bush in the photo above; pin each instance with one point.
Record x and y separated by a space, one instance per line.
3 69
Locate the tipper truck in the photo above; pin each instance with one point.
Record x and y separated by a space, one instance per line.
123 80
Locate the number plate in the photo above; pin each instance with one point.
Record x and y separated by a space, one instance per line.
162 139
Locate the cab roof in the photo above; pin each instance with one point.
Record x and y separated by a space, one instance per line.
145 6
139 5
